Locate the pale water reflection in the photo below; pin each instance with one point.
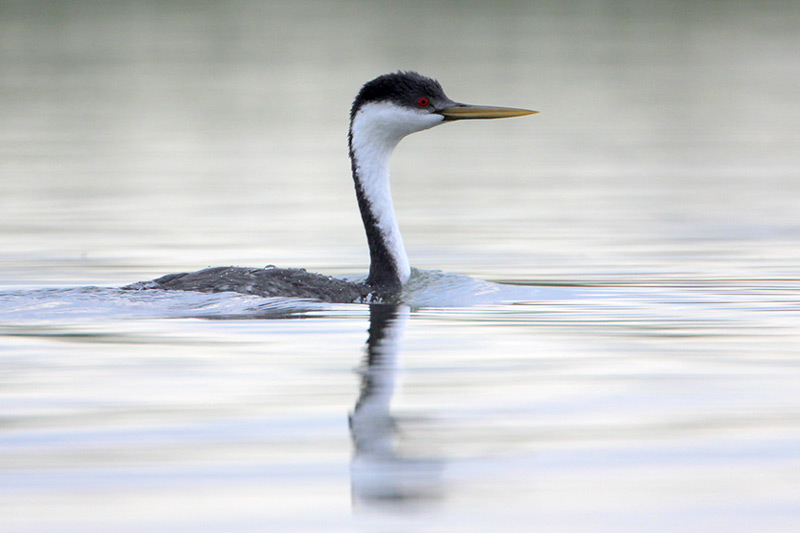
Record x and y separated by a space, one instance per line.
379 471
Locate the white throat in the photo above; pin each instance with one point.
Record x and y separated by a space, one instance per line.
376 129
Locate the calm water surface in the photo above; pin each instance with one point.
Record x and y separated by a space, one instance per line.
639 372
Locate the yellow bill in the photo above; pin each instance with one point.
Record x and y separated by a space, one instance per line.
465 111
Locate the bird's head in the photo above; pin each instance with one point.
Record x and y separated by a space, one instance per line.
394 105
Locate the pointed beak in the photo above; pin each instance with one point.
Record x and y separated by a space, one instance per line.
465 111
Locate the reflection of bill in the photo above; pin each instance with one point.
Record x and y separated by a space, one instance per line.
378 473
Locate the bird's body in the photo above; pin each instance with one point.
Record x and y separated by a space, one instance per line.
266 282
386 109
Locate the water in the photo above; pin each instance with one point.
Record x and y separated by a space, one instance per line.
637 370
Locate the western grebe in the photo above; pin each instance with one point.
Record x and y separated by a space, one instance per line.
385 110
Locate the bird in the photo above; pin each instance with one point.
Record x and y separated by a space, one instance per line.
385 110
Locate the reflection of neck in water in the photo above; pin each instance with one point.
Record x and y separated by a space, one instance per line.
378 472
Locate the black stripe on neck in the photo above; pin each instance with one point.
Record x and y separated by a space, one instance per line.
383 271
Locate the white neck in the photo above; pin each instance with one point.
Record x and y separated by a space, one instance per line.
374 133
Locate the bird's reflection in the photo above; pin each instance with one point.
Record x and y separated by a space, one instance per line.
379 474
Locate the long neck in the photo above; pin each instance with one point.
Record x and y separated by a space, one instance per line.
370 152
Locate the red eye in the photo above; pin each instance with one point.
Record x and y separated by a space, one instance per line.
423 101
